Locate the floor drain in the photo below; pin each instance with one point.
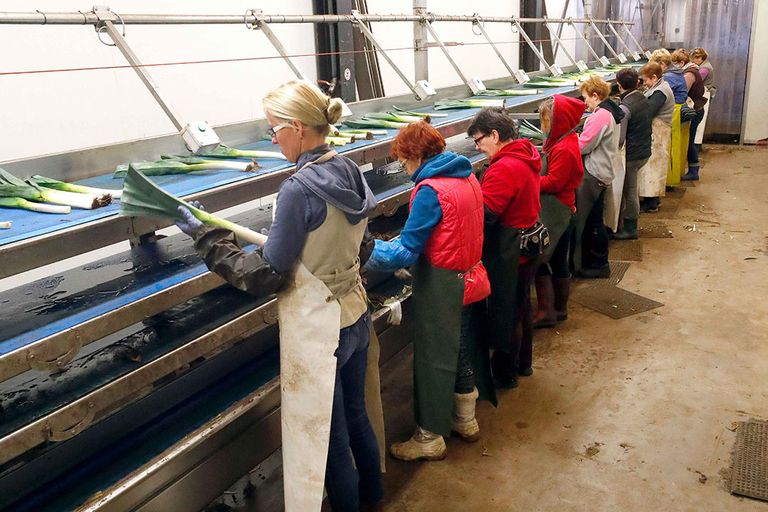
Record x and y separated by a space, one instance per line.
612 301
626 250
749 468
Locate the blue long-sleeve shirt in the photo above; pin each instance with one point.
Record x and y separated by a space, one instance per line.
425 214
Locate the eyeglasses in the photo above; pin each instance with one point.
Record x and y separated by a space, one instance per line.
477 140
272 132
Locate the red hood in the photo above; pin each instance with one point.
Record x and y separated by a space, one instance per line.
566 115
523 150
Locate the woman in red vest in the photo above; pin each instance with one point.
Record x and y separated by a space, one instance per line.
443 238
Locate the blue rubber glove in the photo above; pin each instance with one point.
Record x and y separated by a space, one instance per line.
190 225
390 256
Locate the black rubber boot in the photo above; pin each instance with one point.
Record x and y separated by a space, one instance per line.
562 286
545 303
628 231
504 370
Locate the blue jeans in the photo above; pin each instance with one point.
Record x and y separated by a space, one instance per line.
349 483
693 151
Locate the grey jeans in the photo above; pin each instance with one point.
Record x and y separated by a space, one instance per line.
630 201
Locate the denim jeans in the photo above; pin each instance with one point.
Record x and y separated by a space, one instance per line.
693 150
348 483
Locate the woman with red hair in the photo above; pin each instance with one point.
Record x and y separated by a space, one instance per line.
443 238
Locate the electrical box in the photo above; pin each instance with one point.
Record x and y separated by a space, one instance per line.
198 135
423 90
521 76
476 85
636 56
622 58
648 54
604 61
556 70
582 66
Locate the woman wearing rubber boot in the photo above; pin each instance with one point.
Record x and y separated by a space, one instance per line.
311 260
637 120
562 173
510 188
443 238
599 145
696 91
652 177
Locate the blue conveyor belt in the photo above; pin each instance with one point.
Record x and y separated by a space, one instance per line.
29 224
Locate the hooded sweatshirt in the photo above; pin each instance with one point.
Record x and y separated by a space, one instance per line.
564 166
599 141
510 185
425 214
676 80
302 204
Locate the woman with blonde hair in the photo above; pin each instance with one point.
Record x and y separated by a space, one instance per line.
599 145
652 177
311 260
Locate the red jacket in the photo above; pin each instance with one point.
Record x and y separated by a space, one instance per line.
511 184
564 166
456 242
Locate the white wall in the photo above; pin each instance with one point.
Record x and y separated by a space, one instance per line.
755 106
569 35
474 59
53 112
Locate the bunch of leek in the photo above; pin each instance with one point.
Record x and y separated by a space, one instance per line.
399 117
338 141
418 114
222 151
182 165
530 131
42 181
469 103
366 122
16 193
5 224
142 198
508 92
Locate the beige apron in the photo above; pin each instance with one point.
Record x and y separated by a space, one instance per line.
318 302
702 125
614 191
652 177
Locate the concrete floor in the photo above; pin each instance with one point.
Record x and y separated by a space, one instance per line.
630 414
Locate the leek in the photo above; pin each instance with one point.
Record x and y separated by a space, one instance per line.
418 114
5 224
11 186
508 92
142 198
366 122
545 84
469 103
222 151
23 204
398 117
42 181
353 134
182 165
338 141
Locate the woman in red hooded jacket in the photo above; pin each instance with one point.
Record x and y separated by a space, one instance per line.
563 171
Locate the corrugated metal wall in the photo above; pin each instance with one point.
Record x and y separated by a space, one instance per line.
723 28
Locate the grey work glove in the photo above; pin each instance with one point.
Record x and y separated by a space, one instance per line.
190 225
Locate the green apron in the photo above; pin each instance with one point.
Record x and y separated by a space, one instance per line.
438 296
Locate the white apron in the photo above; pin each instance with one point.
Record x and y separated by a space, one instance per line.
614 191
700 130
652 177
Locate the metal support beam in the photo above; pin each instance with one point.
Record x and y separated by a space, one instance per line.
620 56
418 90
553 68
420 52
603 60
635 55
473 84
559 44
519 74
264 28
634 39
137 66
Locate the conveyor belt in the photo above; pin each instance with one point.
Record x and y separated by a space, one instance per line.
37 239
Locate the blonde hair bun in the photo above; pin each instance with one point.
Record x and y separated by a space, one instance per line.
334 110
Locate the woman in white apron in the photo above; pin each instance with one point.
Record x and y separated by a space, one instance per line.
311 260
700 57
652 177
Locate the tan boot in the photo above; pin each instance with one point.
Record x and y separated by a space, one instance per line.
423 445
464 422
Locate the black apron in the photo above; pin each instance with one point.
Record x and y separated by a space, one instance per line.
554 214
